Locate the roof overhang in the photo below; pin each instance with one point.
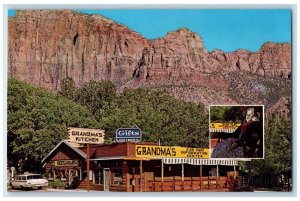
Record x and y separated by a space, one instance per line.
108 158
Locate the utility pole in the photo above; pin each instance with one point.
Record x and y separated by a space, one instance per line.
88 166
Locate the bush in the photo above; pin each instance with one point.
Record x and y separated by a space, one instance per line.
57 184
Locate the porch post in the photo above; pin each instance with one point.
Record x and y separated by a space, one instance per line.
182 172
80 174
217 176
200 176
162 174
141 173
182 176
234 176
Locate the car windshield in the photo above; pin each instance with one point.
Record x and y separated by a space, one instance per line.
34 177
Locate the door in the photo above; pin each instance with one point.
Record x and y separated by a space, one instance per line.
99 176
106 174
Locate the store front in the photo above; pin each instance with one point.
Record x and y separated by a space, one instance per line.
117 167
67 163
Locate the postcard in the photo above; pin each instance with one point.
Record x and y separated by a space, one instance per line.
161 100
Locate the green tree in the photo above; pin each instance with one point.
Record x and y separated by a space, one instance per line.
225 113
95 95
68 89
159 115
37 120
278 149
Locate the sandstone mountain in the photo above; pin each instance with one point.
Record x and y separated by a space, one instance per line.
45 46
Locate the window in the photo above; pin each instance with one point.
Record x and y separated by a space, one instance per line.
118 176
99 176
222 172
84 176
35 177
213 172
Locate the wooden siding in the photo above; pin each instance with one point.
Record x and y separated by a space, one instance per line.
64 153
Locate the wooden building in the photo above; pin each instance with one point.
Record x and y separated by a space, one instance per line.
115 167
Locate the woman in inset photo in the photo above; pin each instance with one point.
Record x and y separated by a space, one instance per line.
244 142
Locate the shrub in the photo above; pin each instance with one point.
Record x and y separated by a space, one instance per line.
57 184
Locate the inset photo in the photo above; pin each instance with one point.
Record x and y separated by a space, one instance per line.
236 131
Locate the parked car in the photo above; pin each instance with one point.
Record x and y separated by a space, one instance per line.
29 181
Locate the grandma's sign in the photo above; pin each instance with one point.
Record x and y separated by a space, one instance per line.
170 152
86 135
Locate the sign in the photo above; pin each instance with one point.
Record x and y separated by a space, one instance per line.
129 134
86 135
228 125
170 152
66 163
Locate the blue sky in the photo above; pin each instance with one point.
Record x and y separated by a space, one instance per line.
227 30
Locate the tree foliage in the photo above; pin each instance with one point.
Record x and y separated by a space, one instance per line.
37 120
158 114
68 89
278 148
95 95
225 113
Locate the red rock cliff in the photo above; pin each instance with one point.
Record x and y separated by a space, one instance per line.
47 46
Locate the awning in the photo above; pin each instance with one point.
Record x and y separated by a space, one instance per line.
174 160
191 161
137 158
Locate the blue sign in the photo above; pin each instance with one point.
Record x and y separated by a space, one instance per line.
128 134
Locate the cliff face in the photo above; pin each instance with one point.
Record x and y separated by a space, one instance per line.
47 46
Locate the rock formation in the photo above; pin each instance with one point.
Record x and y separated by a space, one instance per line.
46 46
280 108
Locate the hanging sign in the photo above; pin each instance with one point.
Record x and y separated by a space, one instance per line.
129 134
86 135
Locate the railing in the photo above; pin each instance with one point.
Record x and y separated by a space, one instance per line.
205 184
100 187
172 185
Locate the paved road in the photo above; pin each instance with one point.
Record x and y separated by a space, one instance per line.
29 190
50 190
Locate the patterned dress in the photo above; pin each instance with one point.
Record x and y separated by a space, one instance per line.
232 147
228 148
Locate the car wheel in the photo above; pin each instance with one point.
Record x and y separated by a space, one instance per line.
24 188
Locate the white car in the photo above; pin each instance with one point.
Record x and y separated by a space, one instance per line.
26 181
